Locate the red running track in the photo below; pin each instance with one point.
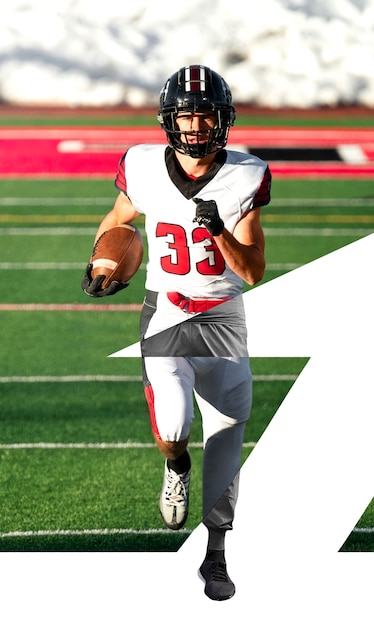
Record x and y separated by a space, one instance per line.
86 152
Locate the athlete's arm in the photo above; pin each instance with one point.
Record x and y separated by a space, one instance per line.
244 249
123 212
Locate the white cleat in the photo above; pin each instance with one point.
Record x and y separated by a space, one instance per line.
174 498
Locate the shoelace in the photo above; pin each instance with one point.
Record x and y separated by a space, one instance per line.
175 490
218 571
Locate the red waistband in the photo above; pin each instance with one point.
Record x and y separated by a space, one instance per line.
193 306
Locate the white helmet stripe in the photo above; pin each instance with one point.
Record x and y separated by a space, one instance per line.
195 78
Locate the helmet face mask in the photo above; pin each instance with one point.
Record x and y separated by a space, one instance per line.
196 89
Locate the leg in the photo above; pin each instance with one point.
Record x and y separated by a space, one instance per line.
221 466
168 383
224 396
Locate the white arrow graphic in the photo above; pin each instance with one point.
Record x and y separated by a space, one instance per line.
311 476
302 490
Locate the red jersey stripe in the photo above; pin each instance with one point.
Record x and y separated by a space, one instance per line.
262 195
120 180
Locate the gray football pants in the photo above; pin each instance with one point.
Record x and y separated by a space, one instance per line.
222 387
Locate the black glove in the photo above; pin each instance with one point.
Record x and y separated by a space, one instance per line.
207 215
92 287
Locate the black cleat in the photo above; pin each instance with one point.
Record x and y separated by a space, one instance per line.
218 584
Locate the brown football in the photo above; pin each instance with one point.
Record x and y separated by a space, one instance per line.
117 254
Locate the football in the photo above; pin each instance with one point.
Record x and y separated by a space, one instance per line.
117 254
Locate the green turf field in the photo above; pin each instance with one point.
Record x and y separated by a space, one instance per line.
79 470
246 116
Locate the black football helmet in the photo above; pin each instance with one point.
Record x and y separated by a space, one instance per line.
196 88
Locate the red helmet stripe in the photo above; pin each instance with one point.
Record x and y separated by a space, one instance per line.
195 78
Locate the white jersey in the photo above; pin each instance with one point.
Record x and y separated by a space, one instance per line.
182 255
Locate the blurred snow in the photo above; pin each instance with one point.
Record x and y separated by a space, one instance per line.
299 53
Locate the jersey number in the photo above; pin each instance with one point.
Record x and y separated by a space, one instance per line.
179 261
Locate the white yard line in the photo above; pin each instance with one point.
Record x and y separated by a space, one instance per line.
70 307
269 231
60 201
42 266
5 266
55 201
120 379
322 202
87 532
316 232
125 445
48 231
90 532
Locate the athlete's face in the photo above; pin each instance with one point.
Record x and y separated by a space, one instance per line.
196 126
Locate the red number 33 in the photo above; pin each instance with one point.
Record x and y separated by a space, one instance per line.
178 261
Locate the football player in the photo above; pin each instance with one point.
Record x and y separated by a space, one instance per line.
202 205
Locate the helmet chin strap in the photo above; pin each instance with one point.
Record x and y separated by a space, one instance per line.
198 149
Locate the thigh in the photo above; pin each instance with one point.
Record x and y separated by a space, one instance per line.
223 390
168 384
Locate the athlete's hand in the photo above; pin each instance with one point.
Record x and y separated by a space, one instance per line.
92 287
207 215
